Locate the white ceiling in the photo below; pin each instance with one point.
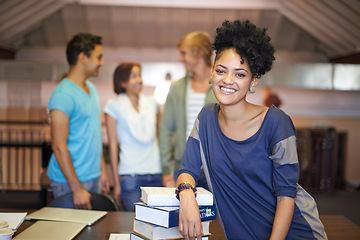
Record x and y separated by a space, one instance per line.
317 29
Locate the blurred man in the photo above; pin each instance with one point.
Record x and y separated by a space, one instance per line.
77 164
185 99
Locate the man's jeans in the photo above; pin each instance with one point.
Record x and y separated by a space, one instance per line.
130 187
62 188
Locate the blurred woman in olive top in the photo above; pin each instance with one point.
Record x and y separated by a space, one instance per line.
185 99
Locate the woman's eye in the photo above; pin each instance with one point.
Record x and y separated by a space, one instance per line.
219 71
240 75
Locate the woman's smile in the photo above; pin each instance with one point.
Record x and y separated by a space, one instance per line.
227 90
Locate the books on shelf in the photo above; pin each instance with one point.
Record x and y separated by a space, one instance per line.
169 216
164 196
151 231
134 236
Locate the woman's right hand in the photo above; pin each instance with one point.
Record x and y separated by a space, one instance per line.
117 195
81 199
168 180
189 216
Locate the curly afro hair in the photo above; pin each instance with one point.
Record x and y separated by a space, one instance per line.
250 42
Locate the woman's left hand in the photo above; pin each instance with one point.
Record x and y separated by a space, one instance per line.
190 225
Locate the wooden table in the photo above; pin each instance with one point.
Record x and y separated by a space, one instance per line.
337 227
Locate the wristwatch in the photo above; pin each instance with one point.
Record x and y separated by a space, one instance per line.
183 186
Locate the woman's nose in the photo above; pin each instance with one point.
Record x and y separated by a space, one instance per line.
228 79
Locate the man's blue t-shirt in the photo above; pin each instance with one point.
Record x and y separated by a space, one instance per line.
84 141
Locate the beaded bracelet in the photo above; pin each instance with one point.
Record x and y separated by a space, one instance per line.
183 186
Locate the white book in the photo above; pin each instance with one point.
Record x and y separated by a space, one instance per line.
154 232
164 196
134 236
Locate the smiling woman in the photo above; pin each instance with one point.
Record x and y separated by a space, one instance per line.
248 151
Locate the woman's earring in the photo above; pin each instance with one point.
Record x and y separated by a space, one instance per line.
210 80
252 89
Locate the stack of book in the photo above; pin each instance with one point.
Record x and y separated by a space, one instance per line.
157 216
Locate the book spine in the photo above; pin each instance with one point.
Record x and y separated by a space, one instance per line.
174 218
207 213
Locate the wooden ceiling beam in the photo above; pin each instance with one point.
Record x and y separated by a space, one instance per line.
223 4
336 21
353 4
350 12
353 58
30 17
19 14
7 5
291 10
313 12
14 11
7 53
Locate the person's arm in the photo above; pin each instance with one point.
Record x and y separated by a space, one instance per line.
189 214
283 216
114 155
285 172
60 133
166 133
105 183
168 180
158 120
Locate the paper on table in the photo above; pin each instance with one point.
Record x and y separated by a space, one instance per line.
14 219
67 215
45 230
119 236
